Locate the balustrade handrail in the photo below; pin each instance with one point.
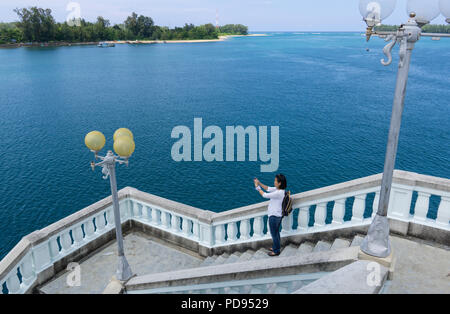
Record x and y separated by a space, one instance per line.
331 192
304 197
168 205
39 236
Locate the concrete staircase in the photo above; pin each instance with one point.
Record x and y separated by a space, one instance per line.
228 264
271 285
289 250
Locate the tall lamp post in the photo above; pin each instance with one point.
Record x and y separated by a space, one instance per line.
124 147
420 12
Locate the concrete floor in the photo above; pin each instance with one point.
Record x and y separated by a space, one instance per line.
420 268
144 254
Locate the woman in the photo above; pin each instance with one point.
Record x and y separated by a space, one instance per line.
276 196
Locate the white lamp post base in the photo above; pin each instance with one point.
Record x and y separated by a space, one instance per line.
377 242
123 269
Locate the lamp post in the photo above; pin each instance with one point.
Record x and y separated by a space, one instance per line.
124 147
421 12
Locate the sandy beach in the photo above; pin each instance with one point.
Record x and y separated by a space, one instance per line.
221 38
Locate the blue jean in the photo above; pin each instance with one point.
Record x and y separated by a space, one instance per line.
274 226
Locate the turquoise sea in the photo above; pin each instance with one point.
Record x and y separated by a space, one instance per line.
330 97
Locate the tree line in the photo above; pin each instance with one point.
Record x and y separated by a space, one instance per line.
38 25
429 28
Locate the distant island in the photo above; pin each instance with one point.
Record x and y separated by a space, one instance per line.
37 25
429 28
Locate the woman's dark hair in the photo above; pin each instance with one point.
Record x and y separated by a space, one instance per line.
282 180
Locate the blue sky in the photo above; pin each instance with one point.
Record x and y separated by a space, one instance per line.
259 15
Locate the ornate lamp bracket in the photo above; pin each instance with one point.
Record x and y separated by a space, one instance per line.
387 50
406 36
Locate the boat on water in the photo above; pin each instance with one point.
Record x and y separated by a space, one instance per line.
105 45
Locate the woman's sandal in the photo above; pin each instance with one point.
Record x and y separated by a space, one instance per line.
273 254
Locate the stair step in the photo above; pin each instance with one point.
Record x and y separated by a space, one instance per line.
247 255
340 244
221 259
322 246
306 247
233 258
209 260
260 254
289 250
357 240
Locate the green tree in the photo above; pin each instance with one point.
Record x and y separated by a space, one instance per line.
131 24
234 29
37 24
101 29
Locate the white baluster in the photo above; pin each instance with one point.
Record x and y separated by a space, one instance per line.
443 214
136 210
175 223
245 229
165 220
66 241
155 216
220 234
376 202
54 248
286 224
147 213
186 227
232 231
422 204
77 233
258 227
303 218
13 283
196 230
123 210
320 215
339 212
268 225
359 206
110 218
89 229
27 270
100 223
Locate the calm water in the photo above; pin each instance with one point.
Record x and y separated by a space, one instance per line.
329 96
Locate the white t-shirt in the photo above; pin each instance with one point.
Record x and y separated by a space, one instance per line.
276 201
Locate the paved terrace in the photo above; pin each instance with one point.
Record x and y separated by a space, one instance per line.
145 255
420 268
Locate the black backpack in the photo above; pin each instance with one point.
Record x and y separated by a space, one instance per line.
286 207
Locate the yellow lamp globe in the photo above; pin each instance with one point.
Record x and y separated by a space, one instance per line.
124 146
121 132
95 140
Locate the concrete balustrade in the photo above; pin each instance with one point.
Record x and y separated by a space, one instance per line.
42 254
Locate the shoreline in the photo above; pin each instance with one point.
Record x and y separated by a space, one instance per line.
131 42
